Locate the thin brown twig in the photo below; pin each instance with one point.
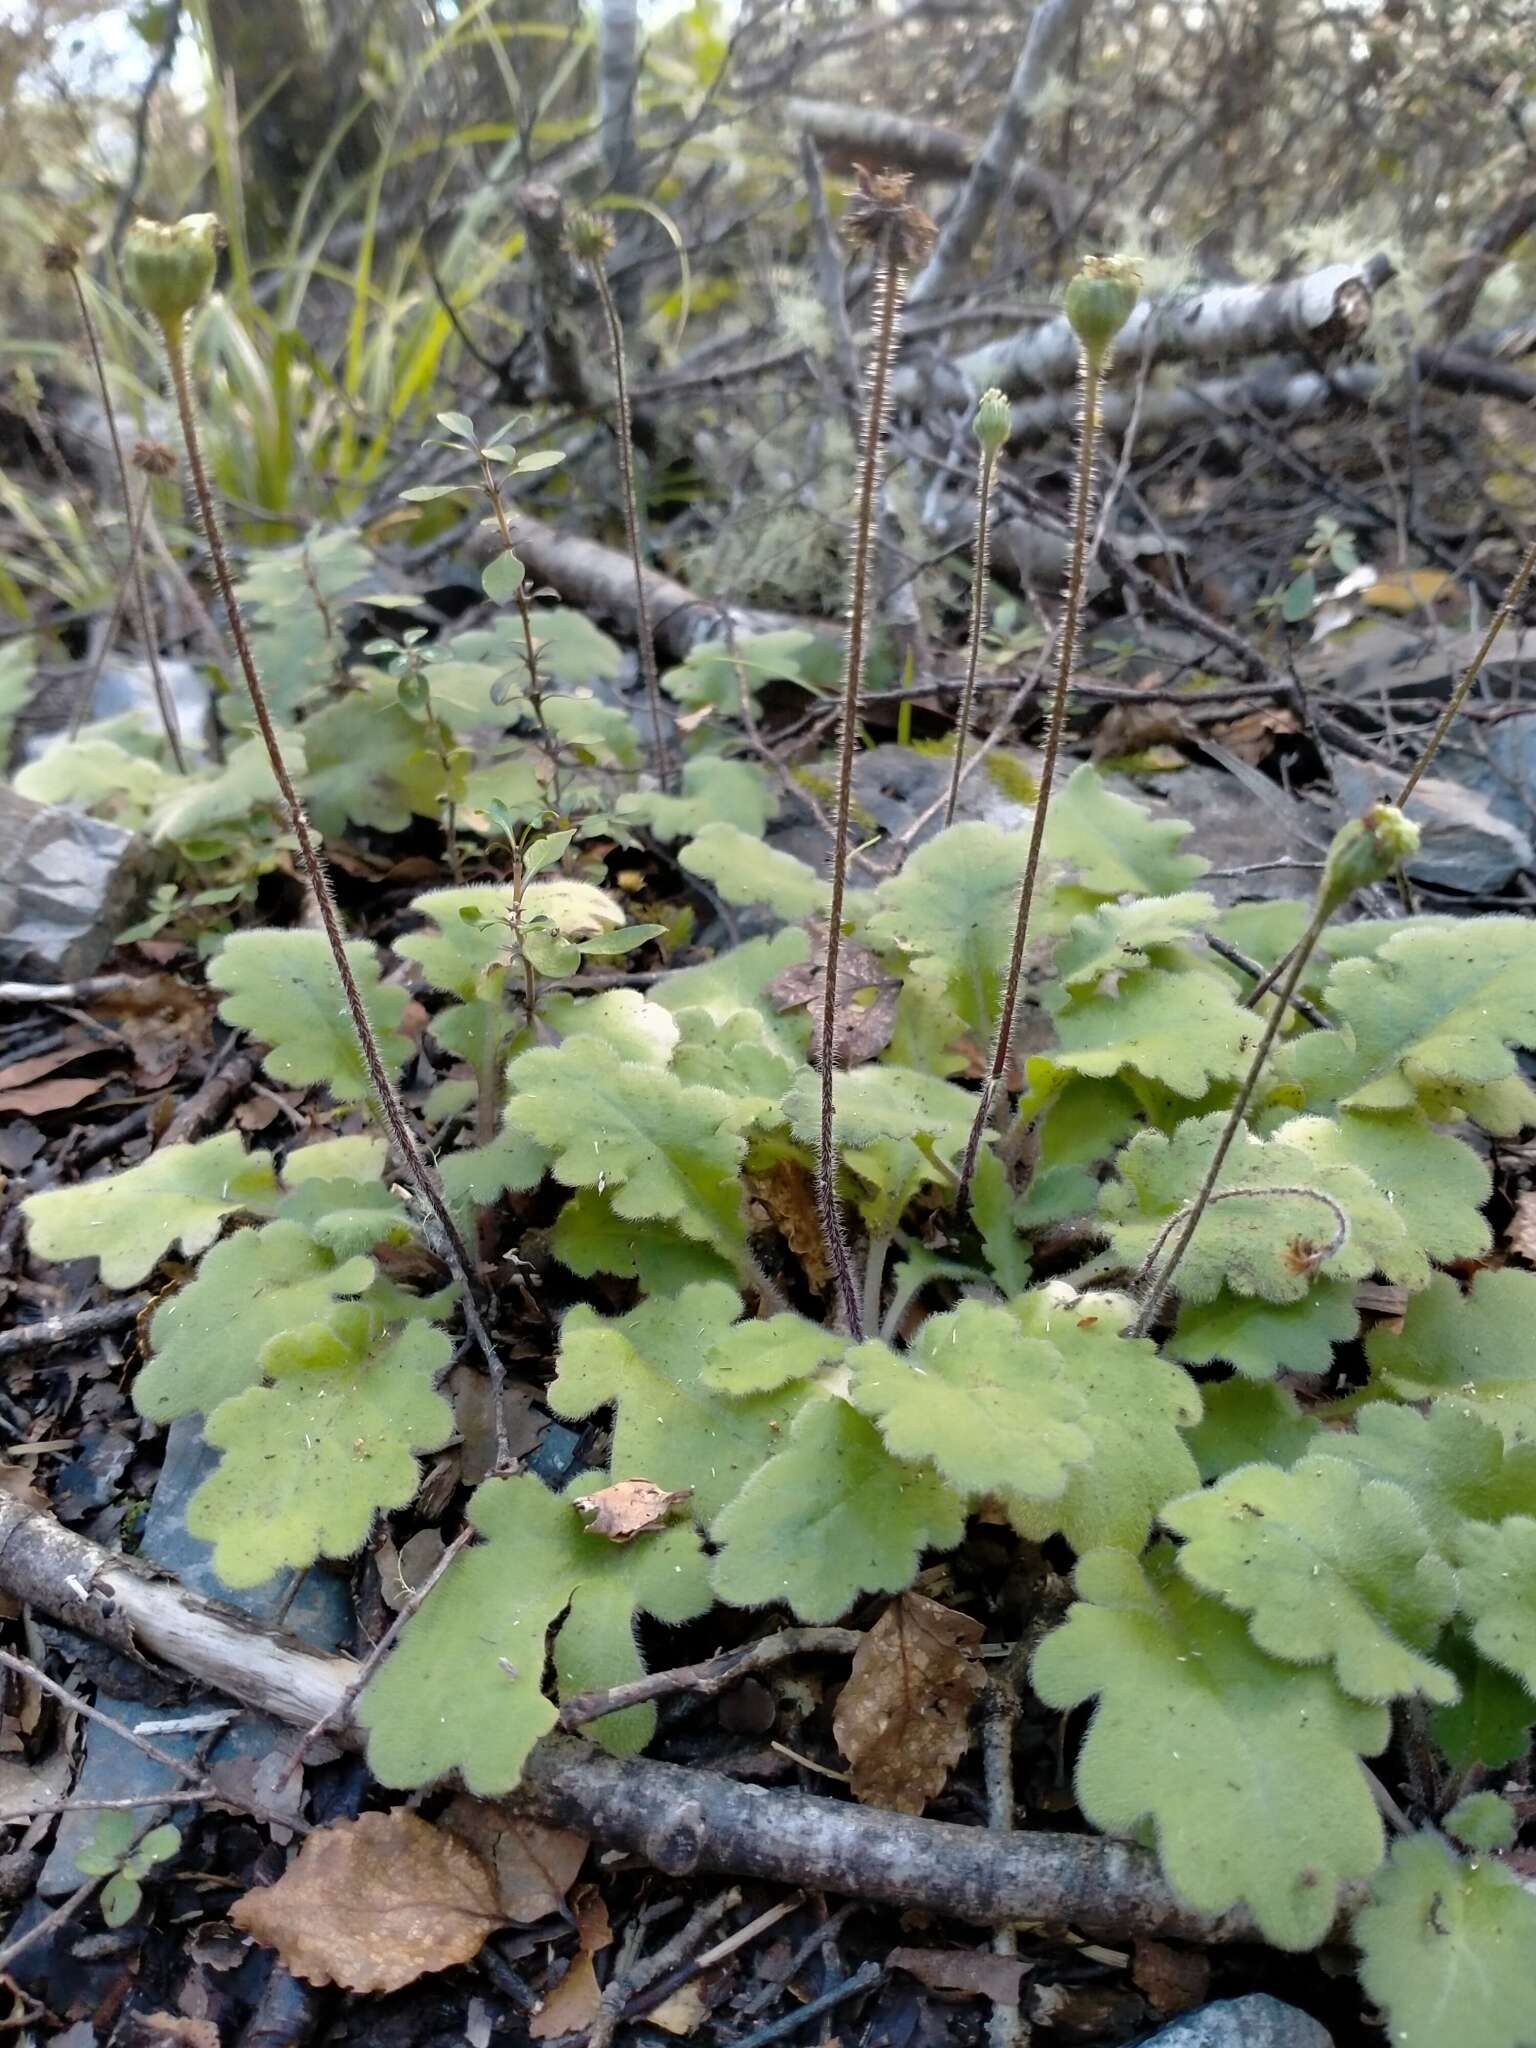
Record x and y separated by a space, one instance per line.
713 1675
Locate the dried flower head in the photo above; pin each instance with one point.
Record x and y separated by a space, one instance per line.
153 458
170 269
878 217
590 237
60 258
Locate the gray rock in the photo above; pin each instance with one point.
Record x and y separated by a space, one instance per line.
1257 2021
1242 823
1466 845
1499 762
68 885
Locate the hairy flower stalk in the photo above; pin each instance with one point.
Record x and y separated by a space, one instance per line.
898 237
1099 301
592 239
169 270
64 260
990 427
1365 850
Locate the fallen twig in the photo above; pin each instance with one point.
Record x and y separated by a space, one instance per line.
714 1675
25 1338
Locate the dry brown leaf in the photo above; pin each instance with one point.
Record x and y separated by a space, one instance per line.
1138 729
161 1019
962 1969
866 998
374 1903
902 1718
1252 737
683 2012
1522 1229
628 1508
45 1097
21 1073
170 2026
594 1929
1170 1979
787 1192
534 1866
572 2006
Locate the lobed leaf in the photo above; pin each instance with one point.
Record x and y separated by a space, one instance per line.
284 988
1474 1347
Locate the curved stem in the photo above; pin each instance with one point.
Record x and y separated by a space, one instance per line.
887 322
1092 369
1157 1288
632 523
411 1156
1470 674
163 698
984 477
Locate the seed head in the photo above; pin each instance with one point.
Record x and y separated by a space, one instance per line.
994 416
1366 850
590 237
879 218
1100 299
170 269
153 458
60 258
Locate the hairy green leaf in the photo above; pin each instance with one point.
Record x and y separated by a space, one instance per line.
367 765
1491 1722
715 790
1454 1463
1245 1422
1262 1338
951 912
590 1237
1185 1030
1498 1592
1121 938
743 870
284 989
759 1357
1113 846
1474 1346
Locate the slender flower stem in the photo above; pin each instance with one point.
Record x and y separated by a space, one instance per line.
1158 1284
986 471
632 521
1091 366
163 698
422 1178
888 288
1458 697
525 618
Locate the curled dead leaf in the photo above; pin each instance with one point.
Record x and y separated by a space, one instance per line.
534 1866
788 1194
1522 1229
572 2006
902 1720
374 1903
628 1507
962 1969
866 998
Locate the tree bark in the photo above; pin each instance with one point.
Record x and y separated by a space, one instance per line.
680 1820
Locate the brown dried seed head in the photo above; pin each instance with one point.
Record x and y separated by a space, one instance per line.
878 217
59 258
154 458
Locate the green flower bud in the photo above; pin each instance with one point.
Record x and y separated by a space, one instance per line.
994 416
1366 850
1100 299
170 269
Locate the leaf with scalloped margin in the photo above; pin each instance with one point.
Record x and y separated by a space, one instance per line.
1262 1338
366 764
590 1238
1186 1030
1491 1722
457 953
1498 1592
1078 1125
355 1157
347 1216
1475 1347
1113 846
1454 1463
834 1516
1123 938
717 672
284 989
1330 1566
332 1441
207 1339
951 912
740 980
715 790
663 1151
739 1057
633 1028
669 1424
880 1113
1247 1243
1136 1406
743 870
463 1689
991 1407
1200 1732
1248 1422
1437 1008
1438 1184
129 1221
1449 1949
760 1356
481 1174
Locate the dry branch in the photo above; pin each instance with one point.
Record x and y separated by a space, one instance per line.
679 1820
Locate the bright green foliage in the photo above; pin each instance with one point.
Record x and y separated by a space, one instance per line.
571 652
1112 846
1245 1420
662 1573
1449 1949
950 911
1135 1407
311 1457
1498 1592
1079 1124
743 870
1476 1347
357 1157
720 674
665 1152
715 791
367 764
1185 1030
347 1216
1329 1565
1454 1463
284 989
115 1854
463 1690
1262 1338
481 1174
890 1122
834 1516
96 774
208 1339
1483 1821
1437 1183
633 1028
1491 1722
740 1058
739 980
294 597
591 1238
990 1406
1119 938
1202 1733
210 808
1261 1243
1437 1008
774 1351
670 1426
178 1195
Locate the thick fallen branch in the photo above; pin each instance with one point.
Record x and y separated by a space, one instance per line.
679 1820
